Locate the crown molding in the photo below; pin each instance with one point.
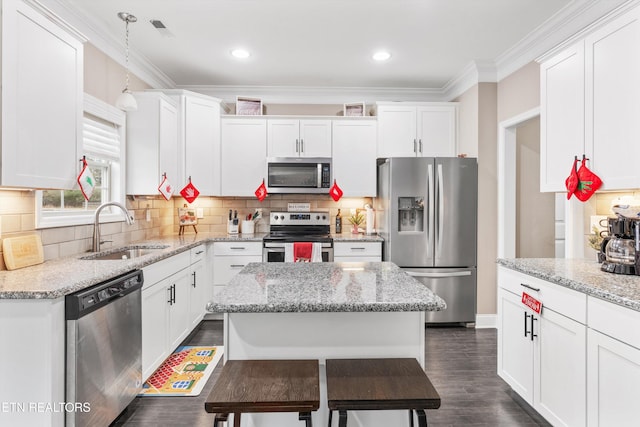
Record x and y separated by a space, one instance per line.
475 72
101 38
315 95
567 22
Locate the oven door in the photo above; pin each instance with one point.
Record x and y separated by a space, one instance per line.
274 252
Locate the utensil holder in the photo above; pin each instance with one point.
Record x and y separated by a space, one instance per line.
232 226
248 227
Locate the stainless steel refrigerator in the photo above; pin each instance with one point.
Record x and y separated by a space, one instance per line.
426 212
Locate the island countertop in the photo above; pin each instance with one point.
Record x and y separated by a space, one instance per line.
583 276
324 287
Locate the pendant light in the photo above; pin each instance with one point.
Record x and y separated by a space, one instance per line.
125 100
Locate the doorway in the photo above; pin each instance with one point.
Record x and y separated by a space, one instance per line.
526 217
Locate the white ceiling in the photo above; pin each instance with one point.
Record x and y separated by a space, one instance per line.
322 43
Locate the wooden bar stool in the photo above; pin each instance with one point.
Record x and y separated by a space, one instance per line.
379 384
265 386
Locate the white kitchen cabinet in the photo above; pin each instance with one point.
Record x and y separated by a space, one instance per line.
357 251
417 129
198 140
42 98
155 327
613 370
354 157
562 116
298 138
179 324
152 143
590 101
612 101
543 356
201 289
244 142
231 257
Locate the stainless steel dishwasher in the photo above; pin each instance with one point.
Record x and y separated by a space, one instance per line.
104 349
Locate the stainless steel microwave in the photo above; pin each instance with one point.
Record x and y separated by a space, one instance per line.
298 174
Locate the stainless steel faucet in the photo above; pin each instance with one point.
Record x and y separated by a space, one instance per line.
96 223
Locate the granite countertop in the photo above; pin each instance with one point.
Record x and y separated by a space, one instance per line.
583 276
62 276
324 287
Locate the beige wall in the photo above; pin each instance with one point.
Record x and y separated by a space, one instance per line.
468 122
104 78
535 222
519 92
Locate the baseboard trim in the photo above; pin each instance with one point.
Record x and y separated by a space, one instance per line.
485 321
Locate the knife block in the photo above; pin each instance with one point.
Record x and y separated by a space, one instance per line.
232 226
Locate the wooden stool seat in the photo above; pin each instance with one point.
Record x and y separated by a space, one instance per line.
265 386
379 384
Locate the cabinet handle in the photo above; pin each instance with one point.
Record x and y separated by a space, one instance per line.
236 266
301 145
420 144
358 249
533 319
199 252
415 150
530 287
174 293
297 145
237 248
170 289
526 317
194 279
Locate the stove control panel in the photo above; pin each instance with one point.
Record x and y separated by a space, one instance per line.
299 218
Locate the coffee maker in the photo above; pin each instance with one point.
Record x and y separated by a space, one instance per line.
622 247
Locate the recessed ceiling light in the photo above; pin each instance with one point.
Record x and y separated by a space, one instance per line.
240 53
381 55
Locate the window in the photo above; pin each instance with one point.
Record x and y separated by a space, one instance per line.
103 146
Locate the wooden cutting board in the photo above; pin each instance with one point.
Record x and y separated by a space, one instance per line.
22 251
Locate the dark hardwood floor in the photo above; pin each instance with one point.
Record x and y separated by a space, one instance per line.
461 363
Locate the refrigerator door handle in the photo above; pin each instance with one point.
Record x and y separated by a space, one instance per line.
430 206
441 274
440 217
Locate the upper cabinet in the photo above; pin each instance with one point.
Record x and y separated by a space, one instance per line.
417 129
243 154
590 104
152 143
298 138
198 140
42 98
354 157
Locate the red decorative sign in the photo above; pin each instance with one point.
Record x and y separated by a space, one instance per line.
261 191
189 192
531 302
335 191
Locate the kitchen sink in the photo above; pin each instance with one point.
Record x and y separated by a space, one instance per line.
128 252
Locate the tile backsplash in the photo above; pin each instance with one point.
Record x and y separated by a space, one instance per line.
17 216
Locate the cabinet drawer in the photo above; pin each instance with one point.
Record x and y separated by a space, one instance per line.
237 248
570 303
198 253
155 272
225 267
616 321
360 249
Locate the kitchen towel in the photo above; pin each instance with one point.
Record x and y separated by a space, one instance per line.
302 251
315 255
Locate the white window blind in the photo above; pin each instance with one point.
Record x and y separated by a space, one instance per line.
100 139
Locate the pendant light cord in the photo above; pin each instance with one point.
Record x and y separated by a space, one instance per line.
126 86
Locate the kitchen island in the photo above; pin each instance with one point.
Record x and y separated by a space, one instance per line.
321 311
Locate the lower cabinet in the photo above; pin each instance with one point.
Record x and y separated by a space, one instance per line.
174 297
613 368
543 356
357 251
231 257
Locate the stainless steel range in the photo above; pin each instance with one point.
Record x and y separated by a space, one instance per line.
291 227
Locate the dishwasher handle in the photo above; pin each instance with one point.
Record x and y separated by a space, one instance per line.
86 301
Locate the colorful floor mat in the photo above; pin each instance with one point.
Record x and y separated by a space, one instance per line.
184 373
